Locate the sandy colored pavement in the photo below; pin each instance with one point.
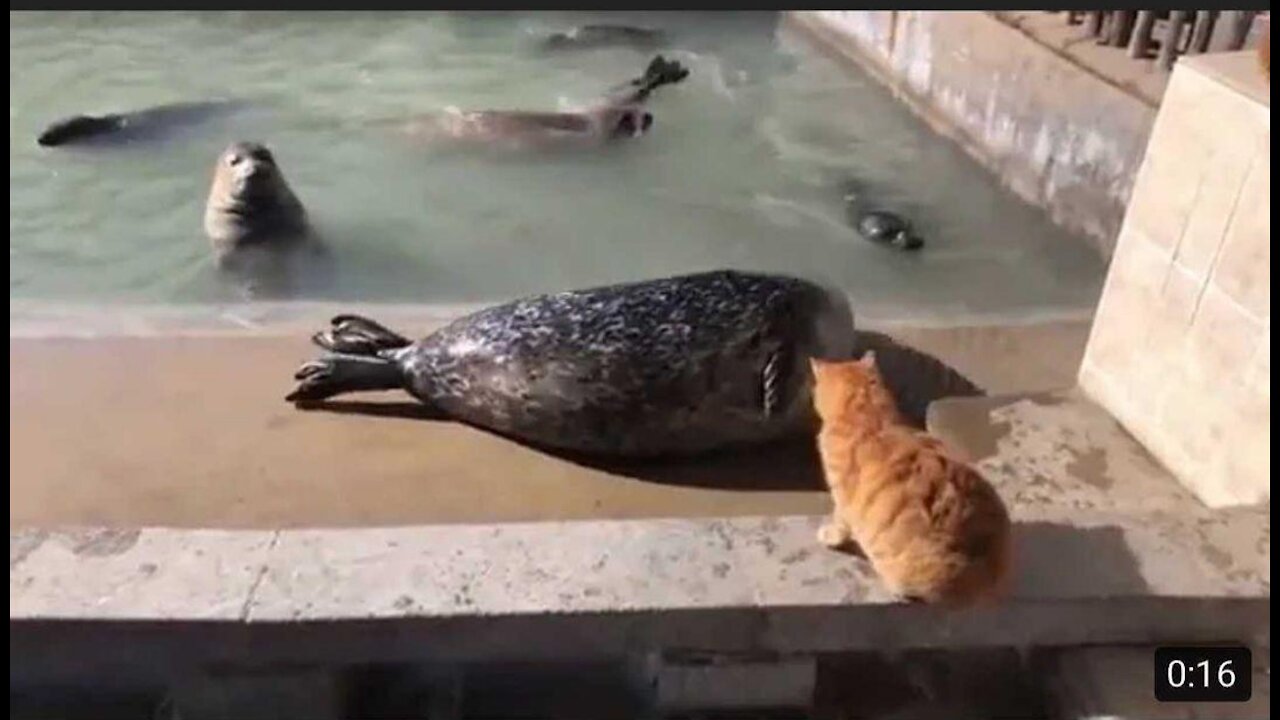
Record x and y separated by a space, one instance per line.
190 431
195 432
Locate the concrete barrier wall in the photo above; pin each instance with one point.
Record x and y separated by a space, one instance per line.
1054 132
1180 350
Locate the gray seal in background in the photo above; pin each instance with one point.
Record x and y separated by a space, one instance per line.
157 123
619 115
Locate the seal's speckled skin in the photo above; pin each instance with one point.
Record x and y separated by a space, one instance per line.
664 367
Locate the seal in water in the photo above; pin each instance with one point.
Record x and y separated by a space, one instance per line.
877 226
153 123
673 366
257 226
888 228
596 36
619 115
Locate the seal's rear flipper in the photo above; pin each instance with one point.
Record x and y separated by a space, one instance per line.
660 72
339 374
356 335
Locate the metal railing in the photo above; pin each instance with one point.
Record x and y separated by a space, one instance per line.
1164 34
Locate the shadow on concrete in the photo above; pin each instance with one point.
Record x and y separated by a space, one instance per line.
1061 561
915 377
401 409
787 465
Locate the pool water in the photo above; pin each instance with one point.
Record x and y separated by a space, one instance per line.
746 166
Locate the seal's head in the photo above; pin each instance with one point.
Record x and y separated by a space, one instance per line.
76 128
249 171
250 200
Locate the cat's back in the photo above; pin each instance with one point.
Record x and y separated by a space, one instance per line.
936 528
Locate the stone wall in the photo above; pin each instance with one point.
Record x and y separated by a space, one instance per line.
1055 133
1180 350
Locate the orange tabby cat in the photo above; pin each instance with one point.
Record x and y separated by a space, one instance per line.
932 527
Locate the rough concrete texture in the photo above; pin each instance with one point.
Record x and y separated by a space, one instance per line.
249 459
1055 131
540 569
1116 682
131 573
1180 350
1060 451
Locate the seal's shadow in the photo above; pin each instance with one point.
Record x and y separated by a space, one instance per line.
916 378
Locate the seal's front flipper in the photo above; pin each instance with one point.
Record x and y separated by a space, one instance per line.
356 335
773 377
339 374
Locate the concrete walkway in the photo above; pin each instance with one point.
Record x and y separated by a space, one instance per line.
193 431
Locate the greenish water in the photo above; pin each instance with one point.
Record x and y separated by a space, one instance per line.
744 166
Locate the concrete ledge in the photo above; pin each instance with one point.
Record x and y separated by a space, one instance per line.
169 599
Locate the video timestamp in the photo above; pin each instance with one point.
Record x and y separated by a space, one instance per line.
1203 674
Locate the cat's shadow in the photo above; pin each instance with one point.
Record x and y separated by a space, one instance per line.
1054 560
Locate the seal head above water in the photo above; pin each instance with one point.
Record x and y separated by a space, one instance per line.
888 228
250 203
259 229
673 366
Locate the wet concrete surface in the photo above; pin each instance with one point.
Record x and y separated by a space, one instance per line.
193 431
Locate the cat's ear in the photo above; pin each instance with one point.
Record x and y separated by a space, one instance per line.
817 366
868 359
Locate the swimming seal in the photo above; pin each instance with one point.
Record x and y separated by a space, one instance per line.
586 37
888 228
154 123
619 115
673 366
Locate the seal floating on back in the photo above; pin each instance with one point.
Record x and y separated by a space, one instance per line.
620 114
673 366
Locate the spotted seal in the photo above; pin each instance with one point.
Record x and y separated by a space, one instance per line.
620 114
888 228
122 128
673 366
250 203
258 228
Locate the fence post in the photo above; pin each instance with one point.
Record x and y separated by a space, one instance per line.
1169 46
1140 43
